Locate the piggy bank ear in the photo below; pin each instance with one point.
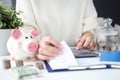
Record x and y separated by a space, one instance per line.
34 32
16 33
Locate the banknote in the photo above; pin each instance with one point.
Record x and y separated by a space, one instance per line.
25 72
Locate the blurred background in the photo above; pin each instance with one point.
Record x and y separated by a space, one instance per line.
105 8
108 8
10 3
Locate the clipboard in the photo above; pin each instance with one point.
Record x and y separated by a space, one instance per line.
48 67
83 67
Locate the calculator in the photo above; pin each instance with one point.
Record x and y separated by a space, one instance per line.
83 53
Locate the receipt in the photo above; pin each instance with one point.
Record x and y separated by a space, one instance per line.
63 60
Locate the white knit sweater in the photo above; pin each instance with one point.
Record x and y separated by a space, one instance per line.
60 19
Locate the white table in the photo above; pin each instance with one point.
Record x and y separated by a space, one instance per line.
103 74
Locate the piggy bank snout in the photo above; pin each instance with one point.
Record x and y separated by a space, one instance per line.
33 46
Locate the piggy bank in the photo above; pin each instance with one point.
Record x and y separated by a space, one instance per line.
23 44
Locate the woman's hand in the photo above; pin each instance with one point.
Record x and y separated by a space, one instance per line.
48 48
86 41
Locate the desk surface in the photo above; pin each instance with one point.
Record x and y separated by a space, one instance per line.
103 74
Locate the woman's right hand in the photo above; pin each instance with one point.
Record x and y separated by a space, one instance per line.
48 48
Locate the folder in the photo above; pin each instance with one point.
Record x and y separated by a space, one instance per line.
83 67
110 56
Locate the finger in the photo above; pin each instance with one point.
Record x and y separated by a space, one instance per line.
43 57
46 53
86 43
91 46
52 42
77 40
53 50
80 44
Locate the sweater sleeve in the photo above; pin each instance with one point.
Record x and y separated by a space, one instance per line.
27 16
90 17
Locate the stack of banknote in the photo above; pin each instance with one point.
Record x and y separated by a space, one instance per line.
25 72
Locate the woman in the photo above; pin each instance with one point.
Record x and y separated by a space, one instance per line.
71 20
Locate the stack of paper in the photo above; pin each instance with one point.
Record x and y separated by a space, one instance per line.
63 60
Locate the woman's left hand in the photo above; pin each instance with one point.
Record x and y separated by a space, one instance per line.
86 41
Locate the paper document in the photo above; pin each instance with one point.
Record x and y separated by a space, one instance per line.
63 60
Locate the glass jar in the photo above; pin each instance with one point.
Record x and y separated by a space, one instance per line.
108 39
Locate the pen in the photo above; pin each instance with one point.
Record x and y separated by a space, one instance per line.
115 66
93 66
